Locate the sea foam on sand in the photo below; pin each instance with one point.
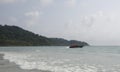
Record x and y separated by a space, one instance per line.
6 66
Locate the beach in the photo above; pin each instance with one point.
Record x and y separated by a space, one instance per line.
6 66
60 59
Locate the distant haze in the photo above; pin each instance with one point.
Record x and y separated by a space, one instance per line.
94 21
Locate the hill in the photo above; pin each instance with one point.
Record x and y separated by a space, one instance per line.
16 36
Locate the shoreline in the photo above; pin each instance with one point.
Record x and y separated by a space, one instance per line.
6 66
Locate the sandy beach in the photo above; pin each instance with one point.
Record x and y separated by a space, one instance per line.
6 66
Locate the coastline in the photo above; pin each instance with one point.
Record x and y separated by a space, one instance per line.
6 66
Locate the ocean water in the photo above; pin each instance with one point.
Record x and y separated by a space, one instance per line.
64 59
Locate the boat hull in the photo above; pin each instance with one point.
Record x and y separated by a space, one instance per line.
75 46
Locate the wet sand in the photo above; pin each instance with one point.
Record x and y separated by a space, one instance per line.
6 66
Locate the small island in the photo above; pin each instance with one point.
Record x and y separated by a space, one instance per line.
16 36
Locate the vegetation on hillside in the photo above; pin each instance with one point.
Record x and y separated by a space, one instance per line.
16 36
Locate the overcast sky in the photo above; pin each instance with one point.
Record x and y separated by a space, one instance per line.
94 21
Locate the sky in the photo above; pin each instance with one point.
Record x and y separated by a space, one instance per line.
96 22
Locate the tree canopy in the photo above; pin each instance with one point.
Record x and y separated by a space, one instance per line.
16 36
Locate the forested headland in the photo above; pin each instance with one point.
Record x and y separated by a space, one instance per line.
16 36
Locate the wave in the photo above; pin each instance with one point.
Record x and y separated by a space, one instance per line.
34 61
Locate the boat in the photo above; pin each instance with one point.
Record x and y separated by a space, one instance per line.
76 46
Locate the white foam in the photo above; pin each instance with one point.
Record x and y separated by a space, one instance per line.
31 61
67 47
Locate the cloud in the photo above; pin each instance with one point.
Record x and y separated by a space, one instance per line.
13 19
96 27
7 1
10 1
32 17
70 3
101 27
97 18
46 2
33 13
87 21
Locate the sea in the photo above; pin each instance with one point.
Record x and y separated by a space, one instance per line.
65 59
